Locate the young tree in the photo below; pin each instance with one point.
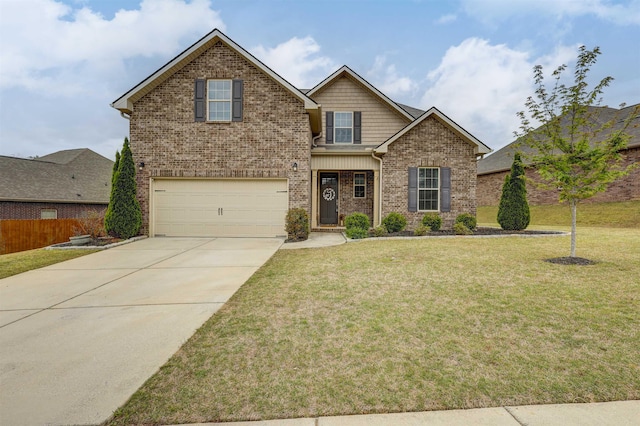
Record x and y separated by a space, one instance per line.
513 212
124 217
573 152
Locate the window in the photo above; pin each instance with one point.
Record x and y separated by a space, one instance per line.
48 214
343 127
359 185
428 189
219 100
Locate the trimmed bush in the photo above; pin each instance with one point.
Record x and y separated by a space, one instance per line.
357 233
513 212
461 229
421 230
123 217
467 220
357 220
378 231
394 222
432 221
297 224
357 225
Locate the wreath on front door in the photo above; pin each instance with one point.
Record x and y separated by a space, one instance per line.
329 194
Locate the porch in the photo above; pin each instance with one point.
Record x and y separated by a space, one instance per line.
342 185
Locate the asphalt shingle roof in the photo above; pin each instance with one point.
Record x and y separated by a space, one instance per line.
70 176
501 160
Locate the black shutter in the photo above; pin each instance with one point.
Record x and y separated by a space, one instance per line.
413 189
445 189
199 110
236 106
329 132
357 127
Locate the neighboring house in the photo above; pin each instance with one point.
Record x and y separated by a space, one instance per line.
225 146
65 184
493 168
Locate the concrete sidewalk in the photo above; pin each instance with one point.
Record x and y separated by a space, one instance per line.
618 413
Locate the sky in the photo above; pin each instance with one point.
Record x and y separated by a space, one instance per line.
63 62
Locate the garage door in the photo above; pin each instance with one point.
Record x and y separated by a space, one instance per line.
219 208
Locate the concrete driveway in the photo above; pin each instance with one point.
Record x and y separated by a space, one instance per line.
79 337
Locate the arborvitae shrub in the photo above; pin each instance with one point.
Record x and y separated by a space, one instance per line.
123 217
513 211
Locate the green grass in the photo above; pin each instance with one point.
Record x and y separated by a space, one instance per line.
611 215
411 325
16 263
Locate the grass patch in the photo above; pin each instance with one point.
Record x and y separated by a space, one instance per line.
23 261
624 214
411 325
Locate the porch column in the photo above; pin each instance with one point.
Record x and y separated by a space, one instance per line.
314 199
376 198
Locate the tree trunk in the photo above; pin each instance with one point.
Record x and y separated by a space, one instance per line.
574 214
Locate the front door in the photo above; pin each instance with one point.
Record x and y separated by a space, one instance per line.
328 198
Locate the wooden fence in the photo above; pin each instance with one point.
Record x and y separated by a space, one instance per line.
26 234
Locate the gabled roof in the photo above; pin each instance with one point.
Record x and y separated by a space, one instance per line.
70 176
345 70
125 102
435 113
502 159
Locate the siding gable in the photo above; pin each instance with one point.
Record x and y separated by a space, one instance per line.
379 120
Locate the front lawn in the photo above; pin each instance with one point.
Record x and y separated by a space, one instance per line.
23 261
412 325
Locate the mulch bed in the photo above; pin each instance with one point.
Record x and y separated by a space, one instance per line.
478 231
570 261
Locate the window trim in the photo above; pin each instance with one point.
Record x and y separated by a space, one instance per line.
437 189
363 184
336 127
227 101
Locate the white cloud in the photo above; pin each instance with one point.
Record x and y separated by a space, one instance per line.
447 19
61 66
484 85
297 60
47 46
620 13
386 79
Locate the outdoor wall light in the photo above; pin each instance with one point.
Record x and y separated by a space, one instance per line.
295 167
141 165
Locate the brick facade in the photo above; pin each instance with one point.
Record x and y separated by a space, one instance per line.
624 189
429 144
22 210
273 134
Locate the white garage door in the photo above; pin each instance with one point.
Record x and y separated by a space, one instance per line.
219 208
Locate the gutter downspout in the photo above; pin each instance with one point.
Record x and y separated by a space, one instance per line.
125 116
373 155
